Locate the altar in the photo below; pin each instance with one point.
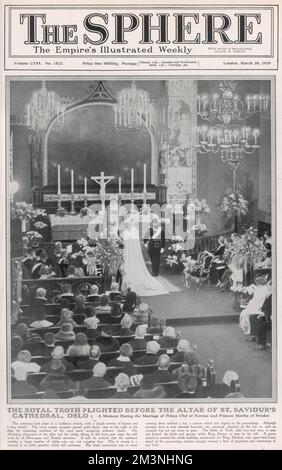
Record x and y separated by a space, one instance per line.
69 227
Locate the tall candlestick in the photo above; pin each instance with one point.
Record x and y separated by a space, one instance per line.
59 179
119 185
85 186
145 177
132 180
72 182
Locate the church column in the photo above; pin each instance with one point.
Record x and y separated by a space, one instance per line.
178 158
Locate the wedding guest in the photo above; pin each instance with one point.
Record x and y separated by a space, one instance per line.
21 387
260 291
57 353
67 292
62 264
126 323
23 365
143 314
121 384
47 347
79 308
94 294
104 304
92 324
230 379
29 338
95 353
56 378
66 332
169 339
44 272
130 301
124 360
114 291
70 271
162 375
38 304
16 346
156 326
139 342
188 384
182 347
190 359
80 347
106 341
28 263
151 355
116 314
41 321
66 317
97 381
148 390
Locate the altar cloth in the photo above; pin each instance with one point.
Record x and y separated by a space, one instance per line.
69 227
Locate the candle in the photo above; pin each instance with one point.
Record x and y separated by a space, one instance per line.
72 182
145 176
59 179
119 185
132 180
85 186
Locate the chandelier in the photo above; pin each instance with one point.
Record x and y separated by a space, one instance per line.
233 142
43 107
230 106
133 110
228 137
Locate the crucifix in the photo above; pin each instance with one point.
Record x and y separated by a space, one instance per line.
102 181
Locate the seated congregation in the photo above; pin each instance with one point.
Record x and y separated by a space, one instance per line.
105 346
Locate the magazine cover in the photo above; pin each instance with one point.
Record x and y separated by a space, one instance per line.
140 234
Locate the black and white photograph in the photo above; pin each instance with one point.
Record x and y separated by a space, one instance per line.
140 239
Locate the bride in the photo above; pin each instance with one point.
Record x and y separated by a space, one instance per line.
135 272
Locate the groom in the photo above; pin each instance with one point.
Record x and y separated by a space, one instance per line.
156 245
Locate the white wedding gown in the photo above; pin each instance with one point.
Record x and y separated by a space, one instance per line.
136 274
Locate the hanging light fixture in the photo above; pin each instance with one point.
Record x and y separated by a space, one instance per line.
229 106
43 107
133 110
229 138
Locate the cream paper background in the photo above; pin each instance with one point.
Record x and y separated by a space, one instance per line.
70 420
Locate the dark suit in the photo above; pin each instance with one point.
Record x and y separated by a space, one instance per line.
154 249
94 383
161 376
147 359
47 367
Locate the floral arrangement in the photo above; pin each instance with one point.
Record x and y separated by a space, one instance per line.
233 203
61 212
24 211
39 225
246 249
172 260
199 206
33 236
109 255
